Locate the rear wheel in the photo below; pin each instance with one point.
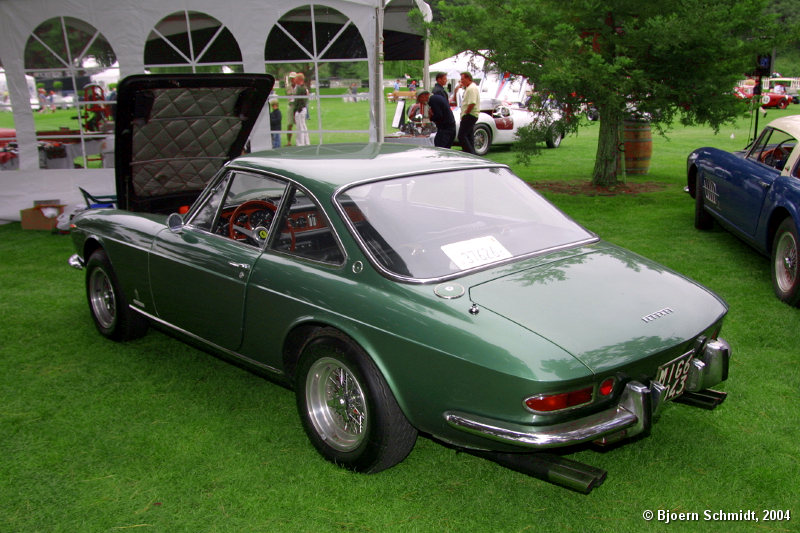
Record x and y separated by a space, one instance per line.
108 305
702 219
785 278
482 138
347 409
554 138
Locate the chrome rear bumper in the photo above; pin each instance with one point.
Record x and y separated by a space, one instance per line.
633 415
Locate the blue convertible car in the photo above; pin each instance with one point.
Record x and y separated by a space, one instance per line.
755 195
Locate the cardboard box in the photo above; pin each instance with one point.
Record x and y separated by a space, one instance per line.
41 217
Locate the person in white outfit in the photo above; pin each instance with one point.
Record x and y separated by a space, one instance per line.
299 109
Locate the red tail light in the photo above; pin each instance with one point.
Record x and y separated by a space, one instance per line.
606 387
547 403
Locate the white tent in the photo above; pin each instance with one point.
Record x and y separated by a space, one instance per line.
494 86
462 62
129 26
106 77
5 103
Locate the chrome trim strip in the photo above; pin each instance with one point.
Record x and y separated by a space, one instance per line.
632 412
574 432
211 344
475 166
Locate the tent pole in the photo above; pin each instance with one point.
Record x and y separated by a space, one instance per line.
377 92
426 65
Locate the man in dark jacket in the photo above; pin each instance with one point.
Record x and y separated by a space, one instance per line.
442 116
441 81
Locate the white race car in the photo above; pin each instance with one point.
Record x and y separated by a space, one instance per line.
498 124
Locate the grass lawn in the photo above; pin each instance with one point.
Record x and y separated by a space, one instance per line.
154 435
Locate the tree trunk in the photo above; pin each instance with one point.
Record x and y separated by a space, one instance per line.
609 165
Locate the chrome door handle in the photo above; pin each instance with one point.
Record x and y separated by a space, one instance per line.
243 266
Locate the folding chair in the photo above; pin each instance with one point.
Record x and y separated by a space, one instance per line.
93 202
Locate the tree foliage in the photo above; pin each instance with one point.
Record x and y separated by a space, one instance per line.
667 60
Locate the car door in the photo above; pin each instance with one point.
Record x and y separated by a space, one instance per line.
299 277
199 274
738 191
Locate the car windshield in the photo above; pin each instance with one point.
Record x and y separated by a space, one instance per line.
436 225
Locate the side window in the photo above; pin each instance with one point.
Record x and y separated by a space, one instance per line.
207 215
305 232
242 207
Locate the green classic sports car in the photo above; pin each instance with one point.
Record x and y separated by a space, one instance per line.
397 289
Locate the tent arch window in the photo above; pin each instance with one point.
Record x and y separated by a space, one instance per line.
61 55
191 42
328 48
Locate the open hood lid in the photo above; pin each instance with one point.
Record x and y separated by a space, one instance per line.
175 131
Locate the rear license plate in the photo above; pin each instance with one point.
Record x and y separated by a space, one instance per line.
673 375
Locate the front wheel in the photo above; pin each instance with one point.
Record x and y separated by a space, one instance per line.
482 139
108 305
785 280
702 219
347 409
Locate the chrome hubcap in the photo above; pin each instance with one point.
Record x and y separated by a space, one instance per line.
336 404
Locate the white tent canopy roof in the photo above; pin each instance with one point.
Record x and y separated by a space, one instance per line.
126 26
462 62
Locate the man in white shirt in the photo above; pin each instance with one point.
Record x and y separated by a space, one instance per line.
470 107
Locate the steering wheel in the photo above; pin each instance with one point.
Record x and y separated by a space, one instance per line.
778 154
246 231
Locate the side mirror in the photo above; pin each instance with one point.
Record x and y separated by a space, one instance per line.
175 223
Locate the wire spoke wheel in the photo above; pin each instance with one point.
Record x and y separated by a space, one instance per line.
336 404
102 298
785 278
347 409
109 307
786 262
482 139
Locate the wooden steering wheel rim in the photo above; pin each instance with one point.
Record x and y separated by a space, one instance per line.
249 204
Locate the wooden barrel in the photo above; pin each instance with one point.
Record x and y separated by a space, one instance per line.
638 146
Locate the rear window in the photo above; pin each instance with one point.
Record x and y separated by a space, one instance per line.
438 225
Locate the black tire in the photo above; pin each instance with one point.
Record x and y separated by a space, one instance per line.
553 138
335 377
702 219
482 139
785 279
107 303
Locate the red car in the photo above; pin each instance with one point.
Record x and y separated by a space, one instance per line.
772 99
768 99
